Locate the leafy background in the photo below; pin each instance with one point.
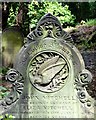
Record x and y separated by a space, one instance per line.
77 18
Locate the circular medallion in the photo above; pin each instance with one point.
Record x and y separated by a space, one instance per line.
48 71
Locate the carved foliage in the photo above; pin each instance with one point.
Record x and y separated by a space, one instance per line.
48 71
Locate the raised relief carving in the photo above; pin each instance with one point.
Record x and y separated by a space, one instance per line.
81 82
48 71
48 26
50 61
17 81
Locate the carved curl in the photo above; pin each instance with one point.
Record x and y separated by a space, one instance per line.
17 81
81 82
48 26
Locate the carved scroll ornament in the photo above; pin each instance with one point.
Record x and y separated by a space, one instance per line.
49 61
17 81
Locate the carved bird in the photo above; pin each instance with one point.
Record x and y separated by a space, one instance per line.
48 70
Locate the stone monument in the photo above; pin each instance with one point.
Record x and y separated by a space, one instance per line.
49 78
12 41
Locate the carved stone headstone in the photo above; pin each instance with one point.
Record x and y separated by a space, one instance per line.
49 77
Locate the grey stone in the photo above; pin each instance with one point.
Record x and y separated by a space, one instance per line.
49 76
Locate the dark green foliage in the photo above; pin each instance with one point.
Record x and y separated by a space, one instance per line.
82 10
33 11
3 70
12 14
37 10
92 9
3 90
69 13
7 117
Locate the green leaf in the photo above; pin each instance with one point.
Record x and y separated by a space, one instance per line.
2 88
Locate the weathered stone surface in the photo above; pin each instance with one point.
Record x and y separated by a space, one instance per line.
49 73
12 41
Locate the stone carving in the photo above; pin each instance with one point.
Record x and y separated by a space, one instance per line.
48 71
48 26
53 65
40 77
81 82
17 81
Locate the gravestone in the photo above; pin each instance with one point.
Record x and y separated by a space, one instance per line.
49 77
12 41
